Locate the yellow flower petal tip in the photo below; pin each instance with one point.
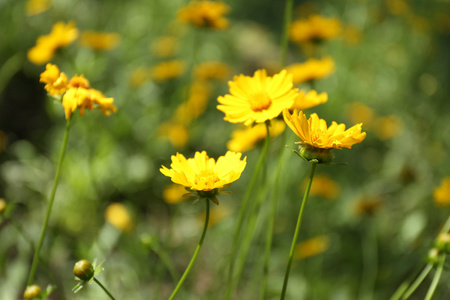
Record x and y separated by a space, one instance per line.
257 99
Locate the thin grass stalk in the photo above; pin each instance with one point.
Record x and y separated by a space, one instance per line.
104 289
285 38
436 278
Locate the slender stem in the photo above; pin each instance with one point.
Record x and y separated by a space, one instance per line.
297 230
241 216
49 205
103 288
436 278
285 38
191 263
417 282
370 257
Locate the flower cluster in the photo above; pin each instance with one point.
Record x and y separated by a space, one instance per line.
312 69
314 29
205 14
99 40
76 92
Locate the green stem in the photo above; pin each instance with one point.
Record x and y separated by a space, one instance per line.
191 263
242 210
436 278
417 282
103 288
370 257
297 230
285 38
49 205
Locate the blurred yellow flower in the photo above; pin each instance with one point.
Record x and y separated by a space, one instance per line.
167 70
368 205
352 34
195 105
308 100
324 186
312 247
208 14
139 77
76 93
35 7
99 40
360 113
212 70
315 132
61 35
173 194
387 127
216 215
165 46
312 69
258 98
176 133
314 29
246 139
442 193
202 173
2 205
117 215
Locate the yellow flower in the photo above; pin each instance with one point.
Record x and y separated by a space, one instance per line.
117 215
168 70
205 14
195 105
35 7
99 40
308 100
61 35
245 139
324 186
177 134
442 193
211 70
258 98
315 28
368 205
360 113
202 173
174 194
139 77
55 81
312 247
315 132
312 69
387 127
2 205
165 46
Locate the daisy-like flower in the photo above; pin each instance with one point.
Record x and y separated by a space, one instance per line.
317 139
312 69
167 70
259 98
208 14
203 175
309 100
99 41
211 70
314 29
77 93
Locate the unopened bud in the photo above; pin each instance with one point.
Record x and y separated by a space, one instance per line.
309 153
83 270
32 291
433 256
443 242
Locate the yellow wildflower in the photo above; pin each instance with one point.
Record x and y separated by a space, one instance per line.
61 35
312 247
195 105
368 205
258 98
312 69
245 139
139 77
211 70
202 173
117 215
315 132
35 7
309 100
2 205
442 193
176 133
165 46
55 81
167 70
314 29
360 113
324 186
205 14
387 127
173 194
99 40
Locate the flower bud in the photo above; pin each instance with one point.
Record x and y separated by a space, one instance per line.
443 242
433 256
309 153
2 205
83 270
32 291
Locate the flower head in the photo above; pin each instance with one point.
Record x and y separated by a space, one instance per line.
211 69
441 194
309 100
35 7
100 40
55 81
117 215
205 14
204 174
258 98
312 69
167 70
314 29
32 292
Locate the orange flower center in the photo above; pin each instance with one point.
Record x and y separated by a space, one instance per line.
207 178
259 101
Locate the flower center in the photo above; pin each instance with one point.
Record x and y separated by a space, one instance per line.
206 178
259 101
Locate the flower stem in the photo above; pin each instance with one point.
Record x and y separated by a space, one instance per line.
297 230
414 285
436 278
285 38
49 205
191 263
103 288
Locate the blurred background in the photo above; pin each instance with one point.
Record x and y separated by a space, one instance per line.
369 224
